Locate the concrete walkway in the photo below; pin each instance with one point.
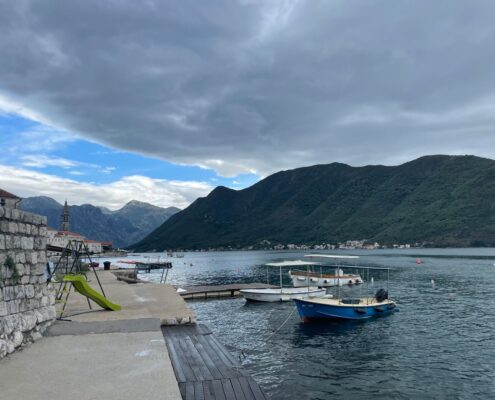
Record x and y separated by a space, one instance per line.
102 354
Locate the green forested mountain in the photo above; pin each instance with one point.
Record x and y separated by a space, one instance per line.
440 200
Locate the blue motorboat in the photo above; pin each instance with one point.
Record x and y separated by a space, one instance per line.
361 308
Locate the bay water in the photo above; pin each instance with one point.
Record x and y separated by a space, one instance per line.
440 345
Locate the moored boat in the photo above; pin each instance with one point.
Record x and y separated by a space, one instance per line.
281 294
353 309
304 278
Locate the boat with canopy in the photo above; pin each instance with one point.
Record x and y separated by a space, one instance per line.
362 307
309 277
284 293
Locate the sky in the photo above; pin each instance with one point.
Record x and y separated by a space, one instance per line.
104 102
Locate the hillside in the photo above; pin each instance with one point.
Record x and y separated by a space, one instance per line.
440 200
122 227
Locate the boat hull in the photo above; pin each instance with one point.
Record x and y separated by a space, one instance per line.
331 309
276 295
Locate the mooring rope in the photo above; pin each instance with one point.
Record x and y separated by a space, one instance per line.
283 323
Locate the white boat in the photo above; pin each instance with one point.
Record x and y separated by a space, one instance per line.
283 293
305 278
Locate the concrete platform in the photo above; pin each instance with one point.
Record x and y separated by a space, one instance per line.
111 366
138 300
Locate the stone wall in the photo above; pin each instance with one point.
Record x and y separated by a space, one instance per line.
26 300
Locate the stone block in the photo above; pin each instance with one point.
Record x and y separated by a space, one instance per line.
27 321
2 242
10 347
29 291
27 243
3 347
12 307
38 219
4 226
2 211
16 214
3 309
42 231
19 292
18 338
21 228
13 227
27 218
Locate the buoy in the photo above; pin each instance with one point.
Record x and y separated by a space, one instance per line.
372 279
432 282
419 261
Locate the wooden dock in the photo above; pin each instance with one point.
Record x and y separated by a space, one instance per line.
215 291
204 368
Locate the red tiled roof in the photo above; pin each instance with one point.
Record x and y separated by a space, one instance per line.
91 241
7 195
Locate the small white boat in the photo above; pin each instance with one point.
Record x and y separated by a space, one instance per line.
305 278
283 293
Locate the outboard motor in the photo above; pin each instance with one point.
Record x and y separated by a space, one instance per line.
381 295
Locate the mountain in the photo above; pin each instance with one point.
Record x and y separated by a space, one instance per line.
121 227
440 200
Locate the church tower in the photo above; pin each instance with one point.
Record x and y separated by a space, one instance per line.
64 218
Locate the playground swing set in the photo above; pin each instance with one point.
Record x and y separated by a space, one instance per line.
76 278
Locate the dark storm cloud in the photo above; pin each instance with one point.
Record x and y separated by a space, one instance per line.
258 85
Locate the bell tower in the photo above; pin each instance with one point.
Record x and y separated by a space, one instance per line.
64 218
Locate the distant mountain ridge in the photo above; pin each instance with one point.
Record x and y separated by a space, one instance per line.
121 227
441 200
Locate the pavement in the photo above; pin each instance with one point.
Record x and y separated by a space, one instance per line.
100 354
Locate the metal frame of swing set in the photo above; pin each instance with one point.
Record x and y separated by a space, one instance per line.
74 249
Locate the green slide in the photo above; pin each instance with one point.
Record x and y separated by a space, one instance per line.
81 285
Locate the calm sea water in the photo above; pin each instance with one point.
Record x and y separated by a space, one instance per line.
441 345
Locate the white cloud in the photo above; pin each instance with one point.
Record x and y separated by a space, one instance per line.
160 192
42 161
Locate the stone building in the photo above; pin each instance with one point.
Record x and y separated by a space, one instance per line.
9 200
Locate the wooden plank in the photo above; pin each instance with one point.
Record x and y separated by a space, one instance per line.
177 365
208 390
216 374
228 390
248 394
258 393
236 386
225 352
218 390
199 391
182 360
222 363
182 389
197 373
198 360
189 391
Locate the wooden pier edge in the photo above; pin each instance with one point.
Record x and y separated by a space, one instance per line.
204 368
217 291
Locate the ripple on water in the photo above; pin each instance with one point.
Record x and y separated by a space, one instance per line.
441 345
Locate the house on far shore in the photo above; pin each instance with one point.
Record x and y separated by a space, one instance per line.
9 200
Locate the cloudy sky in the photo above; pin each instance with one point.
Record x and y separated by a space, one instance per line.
160 101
